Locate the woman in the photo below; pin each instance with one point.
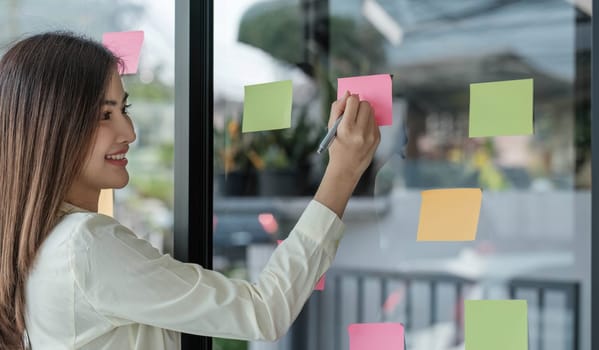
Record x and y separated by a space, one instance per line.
76 279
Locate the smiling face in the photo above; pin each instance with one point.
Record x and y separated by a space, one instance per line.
105 165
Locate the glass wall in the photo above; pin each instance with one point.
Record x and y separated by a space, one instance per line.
146 204
533 238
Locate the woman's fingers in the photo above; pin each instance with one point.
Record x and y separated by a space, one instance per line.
366 127
357 139
365 115
337 108
351 109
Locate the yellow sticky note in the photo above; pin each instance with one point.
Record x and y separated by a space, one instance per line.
449 214
106 202
267 106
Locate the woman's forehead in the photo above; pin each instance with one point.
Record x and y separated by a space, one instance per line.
115 87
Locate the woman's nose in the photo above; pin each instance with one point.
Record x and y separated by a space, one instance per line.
128 134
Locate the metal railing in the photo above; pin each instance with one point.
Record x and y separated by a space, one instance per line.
350 295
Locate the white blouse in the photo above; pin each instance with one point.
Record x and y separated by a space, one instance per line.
96 285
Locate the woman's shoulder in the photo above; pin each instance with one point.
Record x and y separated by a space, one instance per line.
75 219
84 227
79 234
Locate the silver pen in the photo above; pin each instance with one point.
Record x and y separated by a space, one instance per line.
328 138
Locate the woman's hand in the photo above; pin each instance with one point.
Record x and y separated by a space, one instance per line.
350 153
357 139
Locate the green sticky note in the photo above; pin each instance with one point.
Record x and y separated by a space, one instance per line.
267 106
501 108
496 325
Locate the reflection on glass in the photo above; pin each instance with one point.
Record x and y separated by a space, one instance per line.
534 226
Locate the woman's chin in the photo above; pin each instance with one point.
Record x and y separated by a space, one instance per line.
120 184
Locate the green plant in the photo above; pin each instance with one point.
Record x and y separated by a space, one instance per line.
275 157
230 147
287 148
229 344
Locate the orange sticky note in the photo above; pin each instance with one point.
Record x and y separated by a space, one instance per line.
126 46
106 202
321 281
449 214
376 336
376 89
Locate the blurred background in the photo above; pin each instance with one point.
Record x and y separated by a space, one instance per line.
534 231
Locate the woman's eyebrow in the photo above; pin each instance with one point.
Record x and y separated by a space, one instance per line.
113 102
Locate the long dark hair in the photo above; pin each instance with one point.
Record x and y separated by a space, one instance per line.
51 88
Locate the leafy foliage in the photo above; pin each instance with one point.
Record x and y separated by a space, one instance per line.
287 148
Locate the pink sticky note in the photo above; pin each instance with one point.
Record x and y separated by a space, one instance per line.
376 336
126 46
376 89
320 283
393 300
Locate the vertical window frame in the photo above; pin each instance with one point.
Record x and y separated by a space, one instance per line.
594 180
193 141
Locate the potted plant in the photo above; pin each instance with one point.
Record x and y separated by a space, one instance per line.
233 170
282 158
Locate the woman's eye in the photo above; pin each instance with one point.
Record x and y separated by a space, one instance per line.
106 116
126 109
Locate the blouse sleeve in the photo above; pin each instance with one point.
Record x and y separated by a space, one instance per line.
125 279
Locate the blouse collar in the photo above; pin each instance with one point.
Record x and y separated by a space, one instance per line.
68 208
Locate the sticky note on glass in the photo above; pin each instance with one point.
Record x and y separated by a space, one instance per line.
321 281
496 324
106 202
267 106
127 47
501 108
376 89
379 336
449 214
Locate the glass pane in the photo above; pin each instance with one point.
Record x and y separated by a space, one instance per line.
260 175
533 236
146 204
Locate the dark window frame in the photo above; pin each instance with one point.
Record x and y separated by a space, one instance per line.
594 180
193 140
